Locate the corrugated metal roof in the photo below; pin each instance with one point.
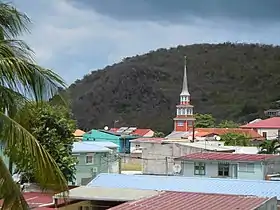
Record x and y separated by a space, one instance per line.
107 144
189 184
193 201
107 194
228 156
154 140
273 122
85 147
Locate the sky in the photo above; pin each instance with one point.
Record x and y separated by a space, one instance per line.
75 37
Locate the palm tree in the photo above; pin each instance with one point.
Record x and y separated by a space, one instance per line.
270 147
22 80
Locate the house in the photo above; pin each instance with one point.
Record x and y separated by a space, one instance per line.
92 160
157 153
268 128
140 132
197 201
79 134
259 188
272 113
228 165
121 140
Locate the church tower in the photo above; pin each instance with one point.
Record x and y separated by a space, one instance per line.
184 120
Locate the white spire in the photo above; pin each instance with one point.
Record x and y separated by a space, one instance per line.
185 91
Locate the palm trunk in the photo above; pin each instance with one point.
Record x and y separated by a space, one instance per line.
10 166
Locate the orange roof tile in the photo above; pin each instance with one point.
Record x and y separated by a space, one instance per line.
221 131
78 133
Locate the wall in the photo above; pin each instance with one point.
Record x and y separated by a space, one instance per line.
103 163
271 204
271 133
211 170
154 156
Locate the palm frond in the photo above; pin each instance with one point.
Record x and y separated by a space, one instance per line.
10 191
13 23
25 77
46 171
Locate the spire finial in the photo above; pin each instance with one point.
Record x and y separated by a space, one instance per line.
185 90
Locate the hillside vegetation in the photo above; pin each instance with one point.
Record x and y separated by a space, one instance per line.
231 81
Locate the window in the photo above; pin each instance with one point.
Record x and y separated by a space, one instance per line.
264 134
180 123
137 146
89 159
246 167
223 169
199 168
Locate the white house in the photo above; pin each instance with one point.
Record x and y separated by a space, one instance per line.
268 128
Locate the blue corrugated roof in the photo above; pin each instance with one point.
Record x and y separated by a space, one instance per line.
107 144
85 147
259 188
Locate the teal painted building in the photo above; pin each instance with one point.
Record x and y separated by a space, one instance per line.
94 159
106 136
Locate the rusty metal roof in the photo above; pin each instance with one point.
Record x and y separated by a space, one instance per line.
193 201
228 156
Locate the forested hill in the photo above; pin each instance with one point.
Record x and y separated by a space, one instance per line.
231 81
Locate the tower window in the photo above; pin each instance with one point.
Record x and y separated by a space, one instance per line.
180 123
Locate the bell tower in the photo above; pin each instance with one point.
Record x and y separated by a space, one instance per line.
184 120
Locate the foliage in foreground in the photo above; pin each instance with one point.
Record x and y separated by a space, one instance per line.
235 139
270 147
53 127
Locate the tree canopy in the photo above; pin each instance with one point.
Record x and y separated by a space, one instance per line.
204 121
53 127
235 139
270 147
228 124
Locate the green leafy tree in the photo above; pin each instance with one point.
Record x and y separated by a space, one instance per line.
235 139
204 121
20 77
270 147
228 124
159 134
53 127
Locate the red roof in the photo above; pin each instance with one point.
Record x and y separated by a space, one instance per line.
273 122
156 140
193 201
36 199
221 131
227 156
138 131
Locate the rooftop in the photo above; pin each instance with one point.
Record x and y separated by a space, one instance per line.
273 122
78 133
206 146
37 199
107 194
221 131
88 147
107 144
131 130
193 201
228 156
259 188
156 140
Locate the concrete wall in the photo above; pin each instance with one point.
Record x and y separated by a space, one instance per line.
271 204
158 158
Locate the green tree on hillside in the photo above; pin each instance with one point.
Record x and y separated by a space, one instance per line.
235 139
270 147
228 124
159 134
20 78
204 121
53 127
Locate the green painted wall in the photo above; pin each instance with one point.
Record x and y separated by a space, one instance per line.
103 162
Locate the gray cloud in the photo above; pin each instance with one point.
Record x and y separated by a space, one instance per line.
176 10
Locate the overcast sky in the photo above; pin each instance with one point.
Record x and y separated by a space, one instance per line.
74 37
